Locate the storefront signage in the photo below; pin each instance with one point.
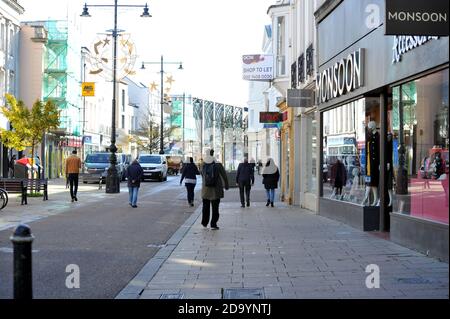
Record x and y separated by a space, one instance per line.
271 125
269 117
343 77
300 98
403 44
284 116
417 17
88 89
257 67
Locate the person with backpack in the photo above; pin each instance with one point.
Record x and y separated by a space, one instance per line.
134 175
189 175
214 180
245 178
271 176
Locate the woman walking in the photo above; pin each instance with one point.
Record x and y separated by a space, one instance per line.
189 175
271 176
134 176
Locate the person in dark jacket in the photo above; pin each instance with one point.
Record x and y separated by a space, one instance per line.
134 176
245 178
271 176
339 177
189 175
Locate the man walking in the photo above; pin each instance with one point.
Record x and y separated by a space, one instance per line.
73 165
245 178
214 180
134 176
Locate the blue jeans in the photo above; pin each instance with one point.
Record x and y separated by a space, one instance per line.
133 192
270 195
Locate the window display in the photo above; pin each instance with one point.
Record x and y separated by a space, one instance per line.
420 147
344 140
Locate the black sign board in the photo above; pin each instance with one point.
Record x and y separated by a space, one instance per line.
417 17
269 117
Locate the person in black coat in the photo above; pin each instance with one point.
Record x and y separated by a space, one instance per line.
271 176
189 175
245 178
134 176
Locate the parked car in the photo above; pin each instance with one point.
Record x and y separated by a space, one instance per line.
98 163
154 166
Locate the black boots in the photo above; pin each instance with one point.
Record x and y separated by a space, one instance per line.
268 203
271 204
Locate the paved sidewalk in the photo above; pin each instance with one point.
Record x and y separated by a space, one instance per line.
283 252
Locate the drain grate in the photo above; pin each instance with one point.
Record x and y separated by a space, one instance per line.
172 296
414 280
243 293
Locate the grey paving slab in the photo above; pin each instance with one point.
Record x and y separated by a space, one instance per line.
290 253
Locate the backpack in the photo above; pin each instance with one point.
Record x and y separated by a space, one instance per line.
211 174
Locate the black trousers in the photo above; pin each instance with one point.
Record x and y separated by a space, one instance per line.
206 212
245 187
190 192
73 181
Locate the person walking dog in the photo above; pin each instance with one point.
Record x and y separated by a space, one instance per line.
271 176
189 175
245 178
214 180
73 165
134 176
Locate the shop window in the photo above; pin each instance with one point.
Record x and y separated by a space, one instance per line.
345 175
420 155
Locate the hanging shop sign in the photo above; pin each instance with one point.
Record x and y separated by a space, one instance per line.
257 67
404 44
300 98
88 89
417 17
269 117
343 77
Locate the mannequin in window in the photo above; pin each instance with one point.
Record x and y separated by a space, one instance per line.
372 164
355 185
339 177
389 167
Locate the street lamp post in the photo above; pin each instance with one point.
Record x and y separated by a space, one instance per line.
112 178
161 138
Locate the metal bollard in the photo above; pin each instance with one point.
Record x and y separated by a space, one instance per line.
22 240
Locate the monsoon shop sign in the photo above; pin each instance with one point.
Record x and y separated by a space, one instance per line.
257 67
417 17
343 77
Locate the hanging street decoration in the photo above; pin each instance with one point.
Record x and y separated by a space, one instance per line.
101 58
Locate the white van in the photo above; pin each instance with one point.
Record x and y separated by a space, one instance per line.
154 166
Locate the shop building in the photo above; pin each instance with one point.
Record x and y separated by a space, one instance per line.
383 127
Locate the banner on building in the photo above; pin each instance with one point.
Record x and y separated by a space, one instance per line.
417 17
269 117
88 89
257 67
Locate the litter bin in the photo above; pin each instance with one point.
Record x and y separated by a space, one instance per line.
20 171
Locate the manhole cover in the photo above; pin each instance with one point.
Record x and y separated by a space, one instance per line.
172 296
413 281
243 293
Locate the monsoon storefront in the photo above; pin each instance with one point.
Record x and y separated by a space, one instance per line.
383 103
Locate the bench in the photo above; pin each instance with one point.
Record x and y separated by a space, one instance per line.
93 178
37 184
15 186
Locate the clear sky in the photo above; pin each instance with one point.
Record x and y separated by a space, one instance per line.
208 36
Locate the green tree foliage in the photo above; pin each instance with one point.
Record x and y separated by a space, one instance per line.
29 126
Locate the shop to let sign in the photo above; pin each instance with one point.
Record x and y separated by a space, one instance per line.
257 67
88 89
